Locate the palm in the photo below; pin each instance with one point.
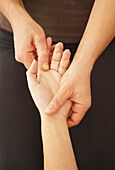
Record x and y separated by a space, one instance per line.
48 86
44 88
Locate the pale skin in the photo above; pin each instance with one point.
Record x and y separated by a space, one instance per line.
75 84
43 85
29 37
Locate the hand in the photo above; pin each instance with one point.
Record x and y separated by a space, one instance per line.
75 86
44 88
30 42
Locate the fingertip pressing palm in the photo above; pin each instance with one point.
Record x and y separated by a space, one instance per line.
43 85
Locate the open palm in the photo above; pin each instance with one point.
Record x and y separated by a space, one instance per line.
44 85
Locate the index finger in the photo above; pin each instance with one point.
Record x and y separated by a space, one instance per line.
42 52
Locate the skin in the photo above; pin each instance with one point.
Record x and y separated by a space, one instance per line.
75 84
47 82
29 37
43 85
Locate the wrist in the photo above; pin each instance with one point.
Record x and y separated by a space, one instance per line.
20 17
15 12
53 123
84 58
54 118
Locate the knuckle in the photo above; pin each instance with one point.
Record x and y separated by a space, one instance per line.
42 52
74 107
87 102
77 121
88 105
57 101
39 39
65 89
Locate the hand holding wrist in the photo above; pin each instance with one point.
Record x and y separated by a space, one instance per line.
53 120
75 85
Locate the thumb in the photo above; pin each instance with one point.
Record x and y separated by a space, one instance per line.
49 43
32 74
59 99
42 52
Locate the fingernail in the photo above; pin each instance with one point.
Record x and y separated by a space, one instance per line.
66 53
46 66
50 38
57 47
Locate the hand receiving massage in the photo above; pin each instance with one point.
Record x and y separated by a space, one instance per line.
43 85
30 43
62 93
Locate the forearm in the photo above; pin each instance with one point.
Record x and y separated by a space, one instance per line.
99 32
14 11
58 152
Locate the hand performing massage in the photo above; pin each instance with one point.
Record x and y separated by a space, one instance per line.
57 44
43 85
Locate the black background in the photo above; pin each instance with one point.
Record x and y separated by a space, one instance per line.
20 134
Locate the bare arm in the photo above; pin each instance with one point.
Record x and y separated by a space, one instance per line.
29 36
99 32
58 151
12 9
57 147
